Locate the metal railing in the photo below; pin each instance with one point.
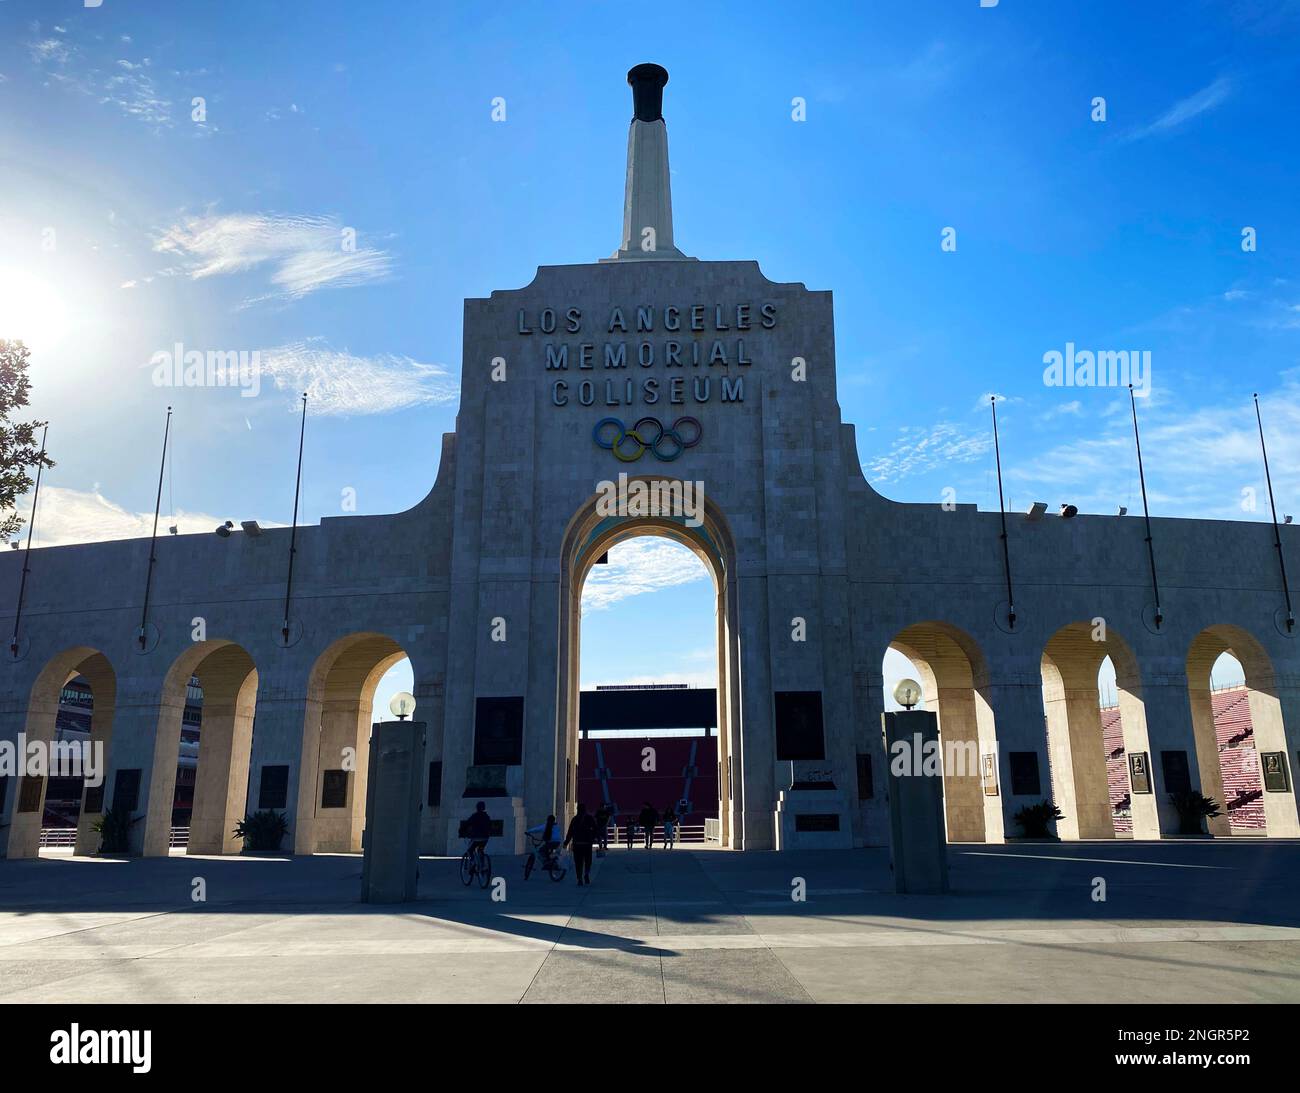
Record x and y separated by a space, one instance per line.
67 836
713 830
686 833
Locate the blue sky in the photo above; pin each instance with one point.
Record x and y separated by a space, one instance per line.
127 226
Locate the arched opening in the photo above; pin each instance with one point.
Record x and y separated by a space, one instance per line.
950 669
1234 731
648 706
70 706
590 537
226 682
1237 719
341 706
1092 700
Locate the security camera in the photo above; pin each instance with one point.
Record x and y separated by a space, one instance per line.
224 529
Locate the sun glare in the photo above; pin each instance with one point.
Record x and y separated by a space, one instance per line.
31 311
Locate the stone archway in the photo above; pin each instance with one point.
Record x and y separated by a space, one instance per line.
335 757
590 535
952 669
228 678
27 809
1280 811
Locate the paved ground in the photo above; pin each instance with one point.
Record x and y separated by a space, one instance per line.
1182 921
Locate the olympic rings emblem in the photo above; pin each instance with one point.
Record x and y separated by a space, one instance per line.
629 445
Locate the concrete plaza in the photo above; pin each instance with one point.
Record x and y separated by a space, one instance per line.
1183 921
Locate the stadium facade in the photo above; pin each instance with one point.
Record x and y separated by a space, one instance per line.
707 376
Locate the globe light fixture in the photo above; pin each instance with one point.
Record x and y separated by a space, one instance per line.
908 693
402 705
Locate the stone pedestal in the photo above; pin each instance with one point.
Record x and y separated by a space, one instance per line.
918 850
813 814
390 870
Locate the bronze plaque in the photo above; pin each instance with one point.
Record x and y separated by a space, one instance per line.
29 793
1139 772
334 789
1273 766
989 774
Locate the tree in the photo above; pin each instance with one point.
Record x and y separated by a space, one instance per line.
19 448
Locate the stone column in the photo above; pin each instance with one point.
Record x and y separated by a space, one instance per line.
1016 700
1176 719
1276 720
1074 735
963 798
757 770
103 685
24 832
146 738
221 780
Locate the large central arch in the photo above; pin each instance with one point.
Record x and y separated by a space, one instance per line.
590 535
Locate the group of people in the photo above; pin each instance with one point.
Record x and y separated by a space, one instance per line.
585 834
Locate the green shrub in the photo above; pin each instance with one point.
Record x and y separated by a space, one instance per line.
114 829
1193 809
263 830
1034 819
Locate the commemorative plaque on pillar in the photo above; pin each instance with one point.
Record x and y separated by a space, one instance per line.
917 839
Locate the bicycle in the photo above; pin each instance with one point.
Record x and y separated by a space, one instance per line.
549 862
475 863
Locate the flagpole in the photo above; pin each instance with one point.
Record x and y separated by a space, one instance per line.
1277 534
293 534
1002 512
27 554
1151 550
143 637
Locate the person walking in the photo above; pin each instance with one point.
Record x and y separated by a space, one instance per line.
649 818
582 834
630 830
670 827
603 816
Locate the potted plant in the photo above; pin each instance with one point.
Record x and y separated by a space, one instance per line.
1034 819
263 830
114 830
1193 810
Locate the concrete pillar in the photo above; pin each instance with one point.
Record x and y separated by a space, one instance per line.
430 695
757 767
25 824
344 745
1168 726
1200 711
146 738
1276 720
1074 736
1016 702
221 781
963 797
103 685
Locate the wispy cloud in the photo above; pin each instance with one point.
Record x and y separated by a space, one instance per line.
1198 461
340 384
647 564
128 86
303 253
87 516
921 449
1186 109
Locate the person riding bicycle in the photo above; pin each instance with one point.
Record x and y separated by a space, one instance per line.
548 837
478 828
